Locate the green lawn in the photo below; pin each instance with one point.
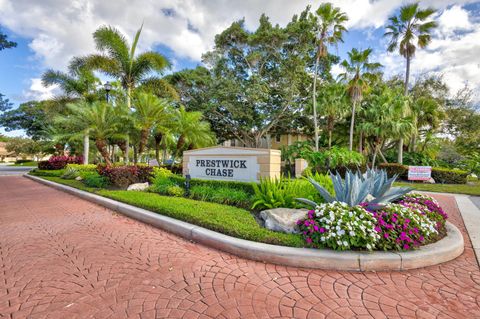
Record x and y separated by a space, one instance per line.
469 189
225 219
31 163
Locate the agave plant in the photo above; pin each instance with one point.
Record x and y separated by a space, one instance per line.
373 187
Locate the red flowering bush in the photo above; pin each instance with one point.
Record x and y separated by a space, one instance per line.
59 162
123 176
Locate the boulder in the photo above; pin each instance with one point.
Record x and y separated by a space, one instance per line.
78 178
137 187
283 219
430 181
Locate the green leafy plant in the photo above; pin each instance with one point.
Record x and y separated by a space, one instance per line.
357 188
93 179
449 176
70 173
333 159
175 190
274 193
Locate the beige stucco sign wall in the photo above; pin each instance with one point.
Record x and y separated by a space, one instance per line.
232 163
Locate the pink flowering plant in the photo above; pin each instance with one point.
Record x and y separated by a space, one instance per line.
339 226
427 206
403 228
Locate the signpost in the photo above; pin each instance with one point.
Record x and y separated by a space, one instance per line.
419 173
232 163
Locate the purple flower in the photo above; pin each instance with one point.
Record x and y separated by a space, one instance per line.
315 227
309 240
378 229
386 235
322 230
406 246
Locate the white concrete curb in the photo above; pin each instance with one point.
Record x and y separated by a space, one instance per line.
471 218
444 250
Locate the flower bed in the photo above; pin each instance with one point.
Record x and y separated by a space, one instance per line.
412 221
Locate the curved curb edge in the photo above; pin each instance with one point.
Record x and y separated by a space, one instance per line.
444 250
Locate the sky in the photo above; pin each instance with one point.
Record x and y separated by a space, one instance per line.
50 32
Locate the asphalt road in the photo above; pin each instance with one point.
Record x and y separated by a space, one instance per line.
6 170
475 200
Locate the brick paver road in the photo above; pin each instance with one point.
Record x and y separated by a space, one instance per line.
62 257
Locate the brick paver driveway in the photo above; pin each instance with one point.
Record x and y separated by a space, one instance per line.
62 257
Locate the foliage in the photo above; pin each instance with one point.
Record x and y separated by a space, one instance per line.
293 151
30 117
395 169
339 226
5 104
46 172
28 147
333 158
449 176
59 162
5 43
175 190
82 167
472 163
123 176
275 192
228 220
95 180
472 188
413 158
427 206
403 228
70 173
356 189
221 195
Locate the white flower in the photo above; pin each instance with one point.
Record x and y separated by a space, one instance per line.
339 242
333 234
352 233
369 247
345 243
340 232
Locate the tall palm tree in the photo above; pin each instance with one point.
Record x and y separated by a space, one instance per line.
119 60
99 118
331 26
334 105
359 74
79 83
191 130
149 111
409 27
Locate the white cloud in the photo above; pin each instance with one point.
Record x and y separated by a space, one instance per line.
61 29
37 91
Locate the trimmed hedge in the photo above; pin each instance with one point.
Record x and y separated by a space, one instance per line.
227 220
59 162
125 175
395 169
449 176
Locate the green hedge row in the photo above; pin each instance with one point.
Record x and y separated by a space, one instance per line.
439 174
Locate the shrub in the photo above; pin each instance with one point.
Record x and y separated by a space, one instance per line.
339 226
175 190
427 206
221 195
83 168
93 179
395 169
70 173
21 161
122 176
244 186
449 176
59 162
275 192
403 228
333 159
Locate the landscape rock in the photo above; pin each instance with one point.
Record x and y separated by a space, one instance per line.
283 219
430 181
78 178
138 187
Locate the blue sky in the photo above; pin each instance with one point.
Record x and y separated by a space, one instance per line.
50 32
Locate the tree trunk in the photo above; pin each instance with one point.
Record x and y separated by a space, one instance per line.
86 147
330 131
180 143
400 142
352 125
101 145
158 140
127 149
315 120
143 140
360 143
375 145
135 155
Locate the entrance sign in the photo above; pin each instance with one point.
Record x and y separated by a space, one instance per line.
231 163
419 173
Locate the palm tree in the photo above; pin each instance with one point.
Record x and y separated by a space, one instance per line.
410 26
119 60
330 29
99 118
79 83
359 73
387 115
334 105
149 111
191 130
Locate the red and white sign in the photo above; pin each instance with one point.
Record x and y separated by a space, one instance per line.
419 173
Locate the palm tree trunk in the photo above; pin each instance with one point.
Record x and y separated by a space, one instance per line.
330 131
352 124
86 147
127 149
360 142
135 155
143 140
158 140
374 154
180 143
315 120
400 142
101 145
